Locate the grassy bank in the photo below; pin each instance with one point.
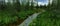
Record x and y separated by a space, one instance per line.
46 19
12 16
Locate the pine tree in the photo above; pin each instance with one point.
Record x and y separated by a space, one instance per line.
37 5
44 7
32 5
17 5
48 7
2 5
57 7
22 7
27 5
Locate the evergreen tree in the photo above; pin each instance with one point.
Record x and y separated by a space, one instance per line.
41 6
23 6
37 5
45 6
49 6
27 5
57 8
17 6
32 5
2 5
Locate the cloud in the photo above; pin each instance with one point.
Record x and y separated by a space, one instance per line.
6 0
41 2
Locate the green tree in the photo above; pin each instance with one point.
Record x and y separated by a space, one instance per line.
49 6
17 5
37 5
27 5
2 5
22 5
32 5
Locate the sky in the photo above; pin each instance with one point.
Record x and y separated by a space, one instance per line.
42 2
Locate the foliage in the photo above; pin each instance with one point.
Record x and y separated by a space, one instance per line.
46 19
49 18
9 13
27 6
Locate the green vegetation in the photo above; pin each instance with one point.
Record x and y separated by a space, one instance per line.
10 13
49 18
46 19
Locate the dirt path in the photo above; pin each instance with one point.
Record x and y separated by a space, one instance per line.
29 19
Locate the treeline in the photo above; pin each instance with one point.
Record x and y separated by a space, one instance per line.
18 6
